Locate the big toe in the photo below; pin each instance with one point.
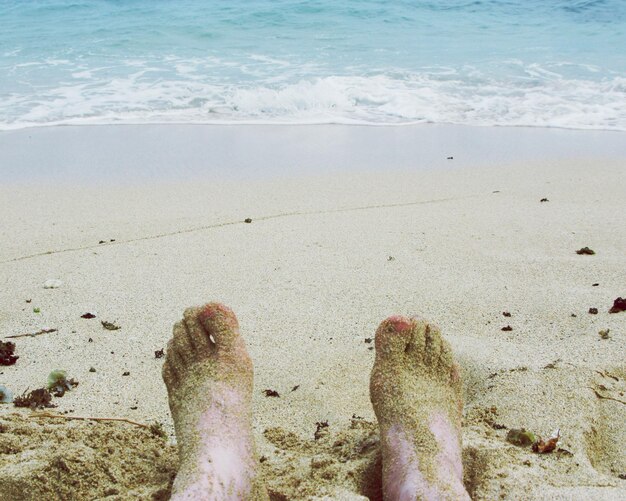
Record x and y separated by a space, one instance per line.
219 324
393 335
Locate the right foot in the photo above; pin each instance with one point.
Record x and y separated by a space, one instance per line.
415 389
208 374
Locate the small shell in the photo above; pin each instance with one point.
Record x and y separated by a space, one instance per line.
52 283
6 395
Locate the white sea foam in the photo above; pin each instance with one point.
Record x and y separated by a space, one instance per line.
539 97
520 62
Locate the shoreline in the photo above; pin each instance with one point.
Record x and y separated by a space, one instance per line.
145 153
311 277
304 124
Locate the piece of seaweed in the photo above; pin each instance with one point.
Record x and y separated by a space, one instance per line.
6 353
36 399
585 251
320 430
619 304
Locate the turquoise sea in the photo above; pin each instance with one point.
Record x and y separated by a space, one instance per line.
557 63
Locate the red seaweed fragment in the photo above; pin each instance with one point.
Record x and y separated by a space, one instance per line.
36 399
88 315
619 304
585 251
6 353
544 447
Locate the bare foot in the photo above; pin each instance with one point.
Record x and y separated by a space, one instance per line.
415 389
208 374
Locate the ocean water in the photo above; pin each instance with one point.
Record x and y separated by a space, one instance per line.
554 63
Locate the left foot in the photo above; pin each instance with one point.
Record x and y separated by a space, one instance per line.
208 374
415 389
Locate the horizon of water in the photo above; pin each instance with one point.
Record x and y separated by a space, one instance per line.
550 63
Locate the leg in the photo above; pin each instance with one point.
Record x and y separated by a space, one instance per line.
415 389
208 375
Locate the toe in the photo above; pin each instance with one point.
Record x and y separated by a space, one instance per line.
173 358
446 358
169 375
181 343
432 344
220 324
199 338
393 335
173 364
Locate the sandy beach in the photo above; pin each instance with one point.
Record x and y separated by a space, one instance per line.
348 226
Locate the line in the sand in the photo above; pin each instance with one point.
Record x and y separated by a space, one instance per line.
230 223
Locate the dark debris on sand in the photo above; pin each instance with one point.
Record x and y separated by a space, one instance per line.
585 251
618 305
320 430
88 315
271 393
7 350
110 326
593 311
62 384
159 353
36 399
508 328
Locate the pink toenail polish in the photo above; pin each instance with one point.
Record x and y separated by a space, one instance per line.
399 323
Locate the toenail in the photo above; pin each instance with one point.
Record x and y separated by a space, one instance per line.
209 312
215 309
399 323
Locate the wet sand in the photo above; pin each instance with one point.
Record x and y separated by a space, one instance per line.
327 256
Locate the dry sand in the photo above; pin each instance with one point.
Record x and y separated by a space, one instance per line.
326 258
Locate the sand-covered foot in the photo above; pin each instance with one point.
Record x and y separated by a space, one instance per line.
208 374
415 389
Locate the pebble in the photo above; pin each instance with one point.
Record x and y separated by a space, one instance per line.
52 283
